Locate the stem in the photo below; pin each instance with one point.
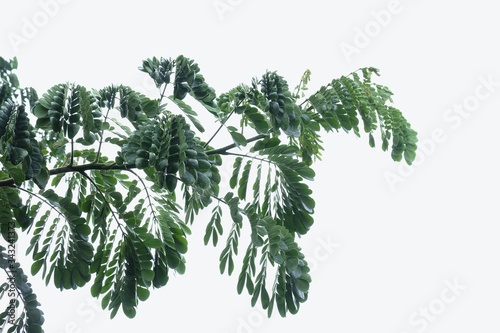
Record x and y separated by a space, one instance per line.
223 150
218 130
104 199
147 193
122 227
220 200
72 153
357 70
249 156
163 93
101 139
42 199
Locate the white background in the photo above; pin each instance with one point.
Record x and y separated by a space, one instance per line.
395 247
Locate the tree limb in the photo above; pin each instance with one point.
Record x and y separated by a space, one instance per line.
100 166
76 168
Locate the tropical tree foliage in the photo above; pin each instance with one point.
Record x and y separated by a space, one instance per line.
119 220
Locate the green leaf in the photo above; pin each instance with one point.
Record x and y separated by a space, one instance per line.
18 155
14 63
143 294
188 178
42 178
147 275
371 141
36 266
71 207
302 285
153 243
181 268
17 175
410 156
306 172
236 169
141 163
73 130
190 113
203 180
265 143
83 230
40 111
242 190
230 266
14 80
258 119
241 282
129 312
264 297
238 138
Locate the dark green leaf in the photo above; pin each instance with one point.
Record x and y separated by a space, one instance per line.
238 138
17 175
73 130
143 294
36 266
190 113
236 169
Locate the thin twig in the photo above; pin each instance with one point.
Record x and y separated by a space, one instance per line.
104 199
218 130
223 150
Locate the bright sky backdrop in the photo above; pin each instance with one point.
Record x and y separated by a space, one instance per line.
394 249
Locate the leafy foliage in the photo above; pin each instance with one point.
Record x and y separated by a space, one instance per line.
341 103
19 291
115 221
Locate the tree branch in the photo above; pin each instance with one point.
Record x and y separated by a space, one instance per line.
223 150
76 168
124 167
